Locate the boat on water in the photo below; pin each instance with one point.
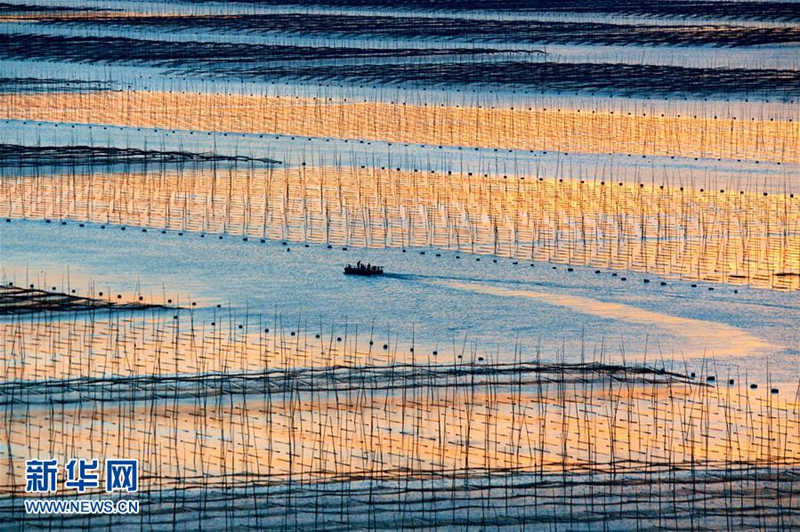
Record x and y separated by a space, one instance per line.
363 269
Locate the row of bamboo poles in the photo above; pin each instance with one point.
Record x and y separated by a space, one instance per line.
733 236
565 129
449 422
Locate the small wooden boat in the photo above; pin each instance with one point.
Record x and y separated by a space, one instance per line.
363 269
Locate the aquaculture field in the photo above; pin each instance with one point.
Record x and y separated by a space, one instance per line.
588 217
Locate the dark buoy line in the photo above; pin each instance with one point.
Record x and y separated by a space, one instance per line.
422 252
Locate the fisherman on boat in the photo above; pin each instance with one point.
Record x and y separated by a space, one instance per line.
363 269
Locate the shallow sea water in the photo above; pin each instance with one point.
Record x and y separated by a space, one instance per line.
438 301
